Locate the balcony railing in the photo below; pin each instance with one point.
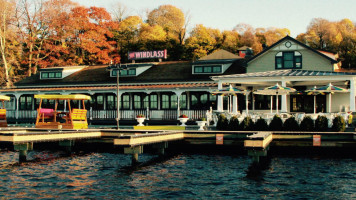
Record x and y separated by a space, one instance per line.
112 114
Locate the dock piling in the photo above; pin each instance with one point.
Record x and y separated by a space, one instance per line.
134 151
23 150
160 147
67 145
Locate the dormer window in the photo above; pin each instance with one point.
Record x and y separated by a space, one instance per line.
207 69
126 72
51 75
288 60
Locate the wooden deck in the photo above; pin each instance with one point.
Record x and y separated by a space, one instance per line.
256 143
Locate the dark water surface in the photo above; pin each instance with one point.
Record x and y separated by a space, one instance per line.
182 176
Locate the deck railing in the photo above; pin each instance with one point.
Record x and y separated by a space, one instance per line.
111 114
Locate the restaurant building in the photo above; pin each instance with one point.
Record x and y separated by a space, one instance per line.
164 90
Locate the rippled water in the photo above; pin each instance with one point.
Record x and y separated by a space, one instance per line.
182 176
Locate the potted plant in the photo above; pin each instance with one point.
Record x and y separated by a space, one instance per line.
183 119
201 123
140 119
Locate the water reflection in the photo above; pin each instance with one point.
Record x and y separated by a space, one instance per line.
182 176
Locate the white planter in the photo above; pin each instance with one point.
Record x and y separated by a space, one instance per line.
140 121
201 125
183 121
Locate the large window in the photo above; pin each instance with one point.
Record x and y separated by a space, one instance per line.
127 72
263 102
111 102
202 101
144 101
125 102
51 75
289 60
26 102
153 101
97 102
169 101
137 103
183 101
207 69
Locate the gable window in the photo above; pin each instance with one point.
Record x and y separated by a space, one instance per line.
128 72
207 69
289 60
51 75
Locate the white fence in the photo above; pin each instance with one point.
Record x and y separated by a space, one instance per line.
124 114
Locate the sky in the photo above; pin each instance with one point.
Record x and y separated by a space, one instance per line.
295 15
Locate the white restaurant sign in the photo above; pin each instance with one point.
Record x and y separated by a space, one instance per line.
136 55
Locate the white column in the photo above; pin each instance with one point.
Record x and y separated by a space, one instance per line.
234 105
178 93
220 107
246 97
17 105
284 100
352 95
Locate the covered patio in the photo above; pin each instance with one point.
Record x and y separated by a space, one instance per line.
297 103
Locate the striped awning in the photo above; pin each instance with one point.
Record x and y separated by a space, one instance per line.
275 90
331 89
229 91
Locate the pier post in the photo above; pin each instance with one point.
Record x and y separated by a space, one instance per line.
134 151
23 149
160 147
22 155
255 154
67 144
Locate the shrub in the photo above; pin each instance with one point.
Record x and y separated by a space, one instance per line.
247 124
307 124
276 124
338 124
321 123
222 123
291 124
261 125
234 124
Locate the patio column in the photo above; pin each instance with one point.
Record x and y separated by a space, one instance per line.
284 100
178 93
17 105
220 99
234 105
352 95
246 98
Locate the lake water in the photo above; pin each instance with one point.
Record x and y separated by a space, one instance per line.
105 175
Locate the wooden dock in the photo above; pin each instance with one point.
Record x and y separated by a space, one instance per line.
133 141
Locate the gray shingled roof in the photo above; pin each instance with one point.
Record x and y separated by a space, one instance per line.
287 72
170 71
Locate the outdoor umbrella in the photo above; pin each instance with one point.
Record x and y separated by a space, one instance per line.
314 92
275 90
229 91
330 89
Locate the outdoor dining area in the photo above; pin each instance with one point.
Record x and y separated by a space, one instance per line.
276 90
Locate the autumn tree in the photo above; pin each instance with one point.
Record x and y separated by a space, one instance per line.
127 36
119 11
201 42
92 41
248 37
230 41
7 38
54 50
337 37
170 18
